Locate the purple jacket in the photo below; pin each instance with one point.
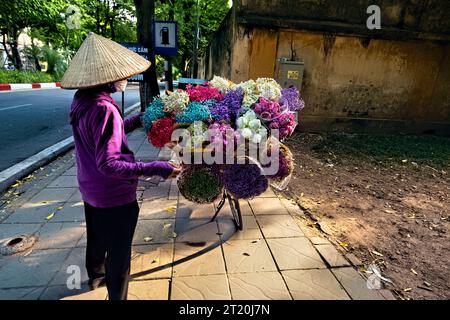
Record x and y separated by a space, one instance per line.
107 171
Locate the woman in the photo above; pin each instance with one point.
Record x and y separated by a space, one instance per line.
106 169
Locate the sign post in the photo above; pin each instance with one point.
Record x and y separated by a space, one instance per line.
142 51
165 38
165 44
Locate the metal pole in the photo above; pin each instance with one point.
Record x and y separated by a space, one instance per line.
195 53
123 103
145 11
169 76
166 73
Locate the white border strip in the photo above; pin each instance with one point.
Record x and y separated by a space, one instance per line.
21 86
48 85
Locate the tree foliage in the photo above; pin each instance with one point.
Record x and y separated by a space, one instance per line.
45 20
114 19
16 15
211 13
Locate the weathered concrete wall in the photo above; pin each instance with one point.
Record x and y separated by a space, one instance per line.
241 51
219 55
347 78
263 53
351 81
400 18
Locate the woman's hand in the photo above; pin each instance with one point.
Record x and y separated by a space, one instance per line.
171 145
176 170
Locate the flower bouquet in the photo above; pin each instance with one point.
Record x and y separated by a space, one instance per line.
200 184
227 136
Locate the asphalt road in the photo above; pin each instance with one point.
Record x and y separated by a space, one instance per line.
31 121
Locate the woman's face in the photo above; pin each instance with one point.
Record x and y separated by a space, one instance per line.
121 85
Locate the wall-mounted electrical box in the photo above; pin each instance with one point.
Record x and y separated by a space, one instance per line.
290 73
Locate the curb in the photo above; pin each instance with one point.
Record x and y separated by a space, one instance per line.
27 86
22 169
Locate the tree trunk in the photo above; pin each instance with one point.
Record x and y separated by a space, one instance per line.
17 61
37 64
185 64
97 17
145 11
5 47
194 69
169 73
107 18
111 23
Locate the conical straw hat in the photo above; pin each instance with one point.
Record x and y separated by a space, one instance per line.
101 61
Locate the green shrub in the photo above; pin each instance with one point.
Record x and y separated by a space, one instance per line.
55 61
15 76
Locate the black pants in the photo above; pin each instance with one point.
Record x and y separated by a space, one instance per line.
108 253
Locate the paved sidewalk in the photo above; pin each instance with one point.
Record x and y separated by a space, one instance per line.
189 257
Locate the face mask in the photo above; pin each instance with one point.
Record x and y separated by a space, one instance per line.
120 86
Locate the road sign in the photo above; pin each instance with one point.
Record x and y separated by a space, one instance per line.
165 35
140 50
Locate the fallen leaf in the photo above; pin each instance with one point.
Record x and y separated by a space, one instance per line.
148 239
174 235
425 288
414 271
407 289
167 225
376 271
377 253
51 215
171 209
343 244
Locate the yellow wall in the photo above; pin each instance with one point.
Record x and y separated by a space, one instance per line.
263 53
347 77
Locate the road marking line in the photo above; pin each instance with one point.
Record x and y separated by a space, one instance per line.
15 107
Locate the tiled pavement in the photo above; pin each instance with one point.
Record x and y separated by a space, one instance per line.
188 256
